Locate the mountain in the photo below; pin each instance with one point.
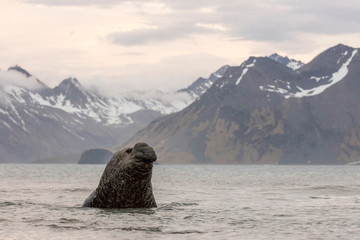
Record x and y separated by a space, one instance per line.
201 85
38 122
291 63
263 112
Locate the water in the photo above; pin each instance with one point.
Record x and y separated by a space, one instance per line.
194 202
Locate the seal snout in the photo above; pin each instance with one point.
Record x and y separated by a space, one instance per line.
144 152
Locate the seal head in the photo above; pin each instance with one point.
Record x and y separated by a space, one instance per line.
126 181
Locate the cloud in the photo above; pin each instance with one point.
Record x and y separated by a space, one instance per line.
15 78
131 54
262 20
146 36
217 27
282 20
75 2
158 43
171 32
267 21
171 74
186 4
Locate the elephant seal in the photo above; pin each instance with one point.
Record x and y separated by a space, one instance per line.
126 181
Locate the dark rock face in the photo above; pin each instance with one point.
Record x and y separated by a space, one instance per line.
95 156
126 181
263 112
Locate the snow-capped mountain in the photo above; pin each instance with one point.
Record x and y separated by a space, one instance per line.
316 81
201 85
263 112
38 122
291 63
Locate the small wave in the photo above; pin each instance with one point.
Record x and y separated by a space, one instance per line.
146 211
186 231
313 197
69 220
332 189
15 203
142 229
278 199
283 215
78 190
5 220
245 223
64 227
6 204
174 205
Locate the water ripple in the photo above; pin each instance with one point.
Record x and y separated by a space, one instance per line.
209 202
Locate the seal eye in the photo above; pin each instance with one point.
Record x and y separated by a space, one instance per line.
129 150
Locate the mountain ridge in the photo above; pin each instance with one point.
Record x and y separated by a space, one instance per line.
263 112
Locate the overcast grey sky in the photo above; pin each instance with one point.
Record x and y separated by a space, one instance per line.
164 44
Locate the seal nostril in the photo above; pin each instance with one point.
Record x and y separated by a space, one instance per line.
129 150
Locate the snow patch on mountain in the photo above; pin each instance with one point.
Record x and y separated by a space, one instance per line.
294 65
241 76
245 69
300 92
318 79
290 63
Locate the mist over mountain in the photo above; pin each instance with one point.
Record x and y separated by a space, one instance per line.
267 112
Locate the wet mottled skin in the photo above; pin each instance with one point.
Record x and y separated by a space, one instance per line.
126 181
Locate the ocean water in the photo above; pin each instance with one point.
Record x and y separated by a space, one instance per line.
194 202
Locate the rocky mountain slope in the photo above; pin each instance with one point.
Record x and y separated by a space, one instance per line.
264 112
